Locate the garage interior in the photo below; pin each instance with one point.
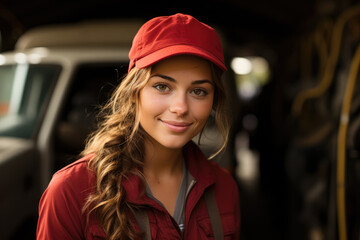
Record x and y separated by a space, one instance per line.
295 137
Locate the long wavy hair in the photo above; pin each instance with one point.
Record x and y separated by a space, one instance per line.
118 151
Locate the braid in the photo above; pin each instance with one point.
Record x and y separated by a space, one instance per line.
117 146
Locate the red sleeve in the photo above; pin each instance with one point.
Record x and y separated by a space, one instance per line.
60 211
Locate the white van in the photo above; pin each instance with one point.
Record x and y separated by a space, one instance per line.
50 86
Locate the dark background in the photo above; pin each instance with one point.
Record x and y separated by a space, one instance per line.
241 20
272 29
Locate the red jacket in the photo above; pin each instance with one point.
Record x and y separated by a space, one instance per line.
61 216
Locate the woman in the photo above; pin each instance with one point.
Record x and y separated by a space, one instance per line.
141 176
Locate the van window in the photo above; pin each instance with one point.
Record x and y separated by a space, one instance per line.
23 92
91 86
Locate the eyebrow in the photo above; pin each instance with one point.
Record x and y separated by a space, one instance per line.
173 80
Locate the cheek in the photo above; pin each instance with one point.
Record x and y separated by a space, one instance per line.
202 111
150 104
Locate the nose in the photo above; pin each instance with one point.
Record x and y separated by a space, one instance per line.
179 104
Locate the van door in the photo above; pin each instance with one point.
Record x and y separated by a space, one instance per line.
25 91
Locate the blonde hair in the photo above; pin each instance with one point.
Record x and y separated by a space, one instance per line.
117 146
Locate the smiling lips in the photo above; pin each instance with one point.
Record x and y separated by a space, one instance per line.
176 126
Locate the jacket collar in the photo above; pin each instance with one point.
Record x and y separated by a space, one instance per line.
196 164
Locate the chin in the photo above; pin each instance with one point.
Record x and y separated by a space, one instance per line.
174 144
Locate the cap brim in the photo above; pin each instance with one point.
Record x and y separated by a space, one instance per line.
170 51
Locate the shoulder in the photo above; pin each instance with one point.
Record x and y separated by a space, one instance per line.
74 172
73 182
60 207
200 167
225 189
222 176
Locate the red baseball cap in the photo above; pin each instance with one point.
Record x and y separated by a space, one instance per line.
167 36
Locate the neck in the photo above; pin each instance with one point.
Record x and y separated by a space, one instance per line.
160 160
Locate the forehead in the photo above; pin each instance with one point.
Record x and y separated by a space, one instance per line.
184 64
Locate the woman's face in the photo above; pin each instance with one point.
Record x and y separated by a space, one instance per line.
177 100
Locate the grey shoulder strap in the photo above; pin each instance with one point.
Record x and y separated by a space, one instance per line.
143 222
214 214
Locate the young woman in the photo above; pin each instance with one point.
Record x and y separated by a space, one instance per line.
141 176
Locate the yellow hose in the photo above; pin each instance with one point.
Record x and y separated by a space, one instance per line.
322 49
341 153
330 64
